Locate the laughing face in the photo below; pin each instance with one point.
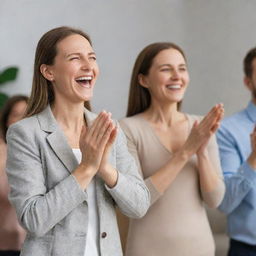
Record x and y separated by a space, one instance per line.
74 71
168 77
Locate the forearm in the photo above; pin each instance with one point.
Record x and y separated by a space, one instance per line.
40 212
131 195
164 176
83 175
109 175
208 176
238 186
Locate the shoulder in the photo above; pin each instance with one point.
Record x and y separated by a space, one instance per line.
24 132
233 119
131 120
132 125
27 125
234 123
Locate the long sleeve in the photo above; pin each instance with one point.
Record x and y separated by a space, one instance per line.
130 192
38 208
133 149
214 197
239 176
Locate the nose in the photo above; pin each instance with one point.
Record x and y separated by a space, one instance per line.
86 64
175 75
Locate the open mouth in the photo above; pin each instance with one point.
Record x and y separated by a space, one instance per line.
174 87
84 81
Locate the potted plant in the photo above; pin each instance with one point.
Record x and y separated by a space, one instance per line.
7 75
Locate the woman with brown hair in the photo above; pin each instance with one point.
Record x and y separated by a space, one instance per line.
68 168
177 154
12 234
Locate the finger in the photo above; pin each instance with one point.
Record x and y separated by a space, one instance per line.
102 130
96 124
215 127
208 117
105 138
195 124
83 131
211 118
82 136
113 136
101 126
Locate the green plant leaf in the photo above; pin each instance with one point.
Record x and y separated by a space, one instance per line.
8 74
3 99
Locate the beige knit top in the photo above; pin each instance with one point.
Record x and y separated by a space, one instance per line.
176 223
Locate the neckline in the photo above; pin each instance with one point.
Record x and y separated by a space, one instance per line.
156 137
76 149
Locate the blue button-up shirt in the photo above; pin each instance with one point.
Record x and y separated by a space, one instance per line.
239 202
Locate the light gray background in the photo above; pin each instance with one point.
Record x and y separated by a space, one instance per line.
215 36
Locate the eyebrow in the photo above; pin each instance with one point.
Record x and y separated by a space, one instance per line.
78 53
169 65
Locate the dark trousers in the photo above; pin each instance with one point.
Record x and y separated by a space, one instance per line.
9 253
238 248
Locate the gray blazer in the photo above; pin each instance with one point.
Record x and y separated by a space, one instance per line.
49 202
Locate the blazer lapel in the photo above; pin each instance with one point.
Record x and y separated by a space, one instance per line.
57 139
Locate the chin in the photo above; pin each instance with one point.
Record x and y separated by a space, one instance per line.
86 97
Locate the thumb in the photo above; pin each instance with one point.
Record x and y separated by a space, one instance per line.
195 124
83 131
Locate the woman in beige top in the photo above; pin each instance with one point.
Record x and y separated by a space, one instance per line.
12 234
178 157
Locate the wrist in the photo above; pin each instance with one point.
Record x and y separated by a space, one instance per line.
109 175
203 155
84 174
184 154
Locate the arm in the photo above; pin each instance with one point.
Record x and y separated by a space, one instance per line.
164 176
210 174
129 192
239 176
38 208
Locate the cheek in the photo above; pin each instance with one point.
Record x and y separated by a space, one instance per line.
96 70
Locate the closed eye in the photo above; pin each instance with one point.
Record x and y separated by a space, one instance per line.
74 58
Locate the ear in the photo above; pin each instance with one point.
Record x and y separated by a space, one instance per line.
142 80
46 72
248 82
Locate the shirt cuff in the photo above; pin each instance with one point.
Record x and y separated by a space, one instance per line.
117 185
154 193
248 172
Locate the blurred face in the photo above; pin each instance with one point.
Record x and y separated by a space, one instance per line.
168 77
251 81
17 112
74 71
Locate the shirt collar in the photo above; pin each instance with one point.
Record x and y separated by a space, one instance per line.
251 111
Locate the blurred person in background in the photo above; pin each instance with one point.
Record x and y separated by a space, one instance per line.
12 235
237 143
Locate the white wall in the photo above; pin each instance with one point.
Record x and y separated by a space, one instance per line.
214 34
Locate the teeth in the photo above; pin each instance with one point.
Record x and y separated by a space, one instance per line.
174 86
87 78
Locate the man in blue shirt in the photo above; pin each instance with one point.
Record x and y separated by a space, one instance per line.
237 144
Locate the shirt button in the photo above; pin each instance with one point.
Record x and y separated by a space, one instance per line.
103 234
